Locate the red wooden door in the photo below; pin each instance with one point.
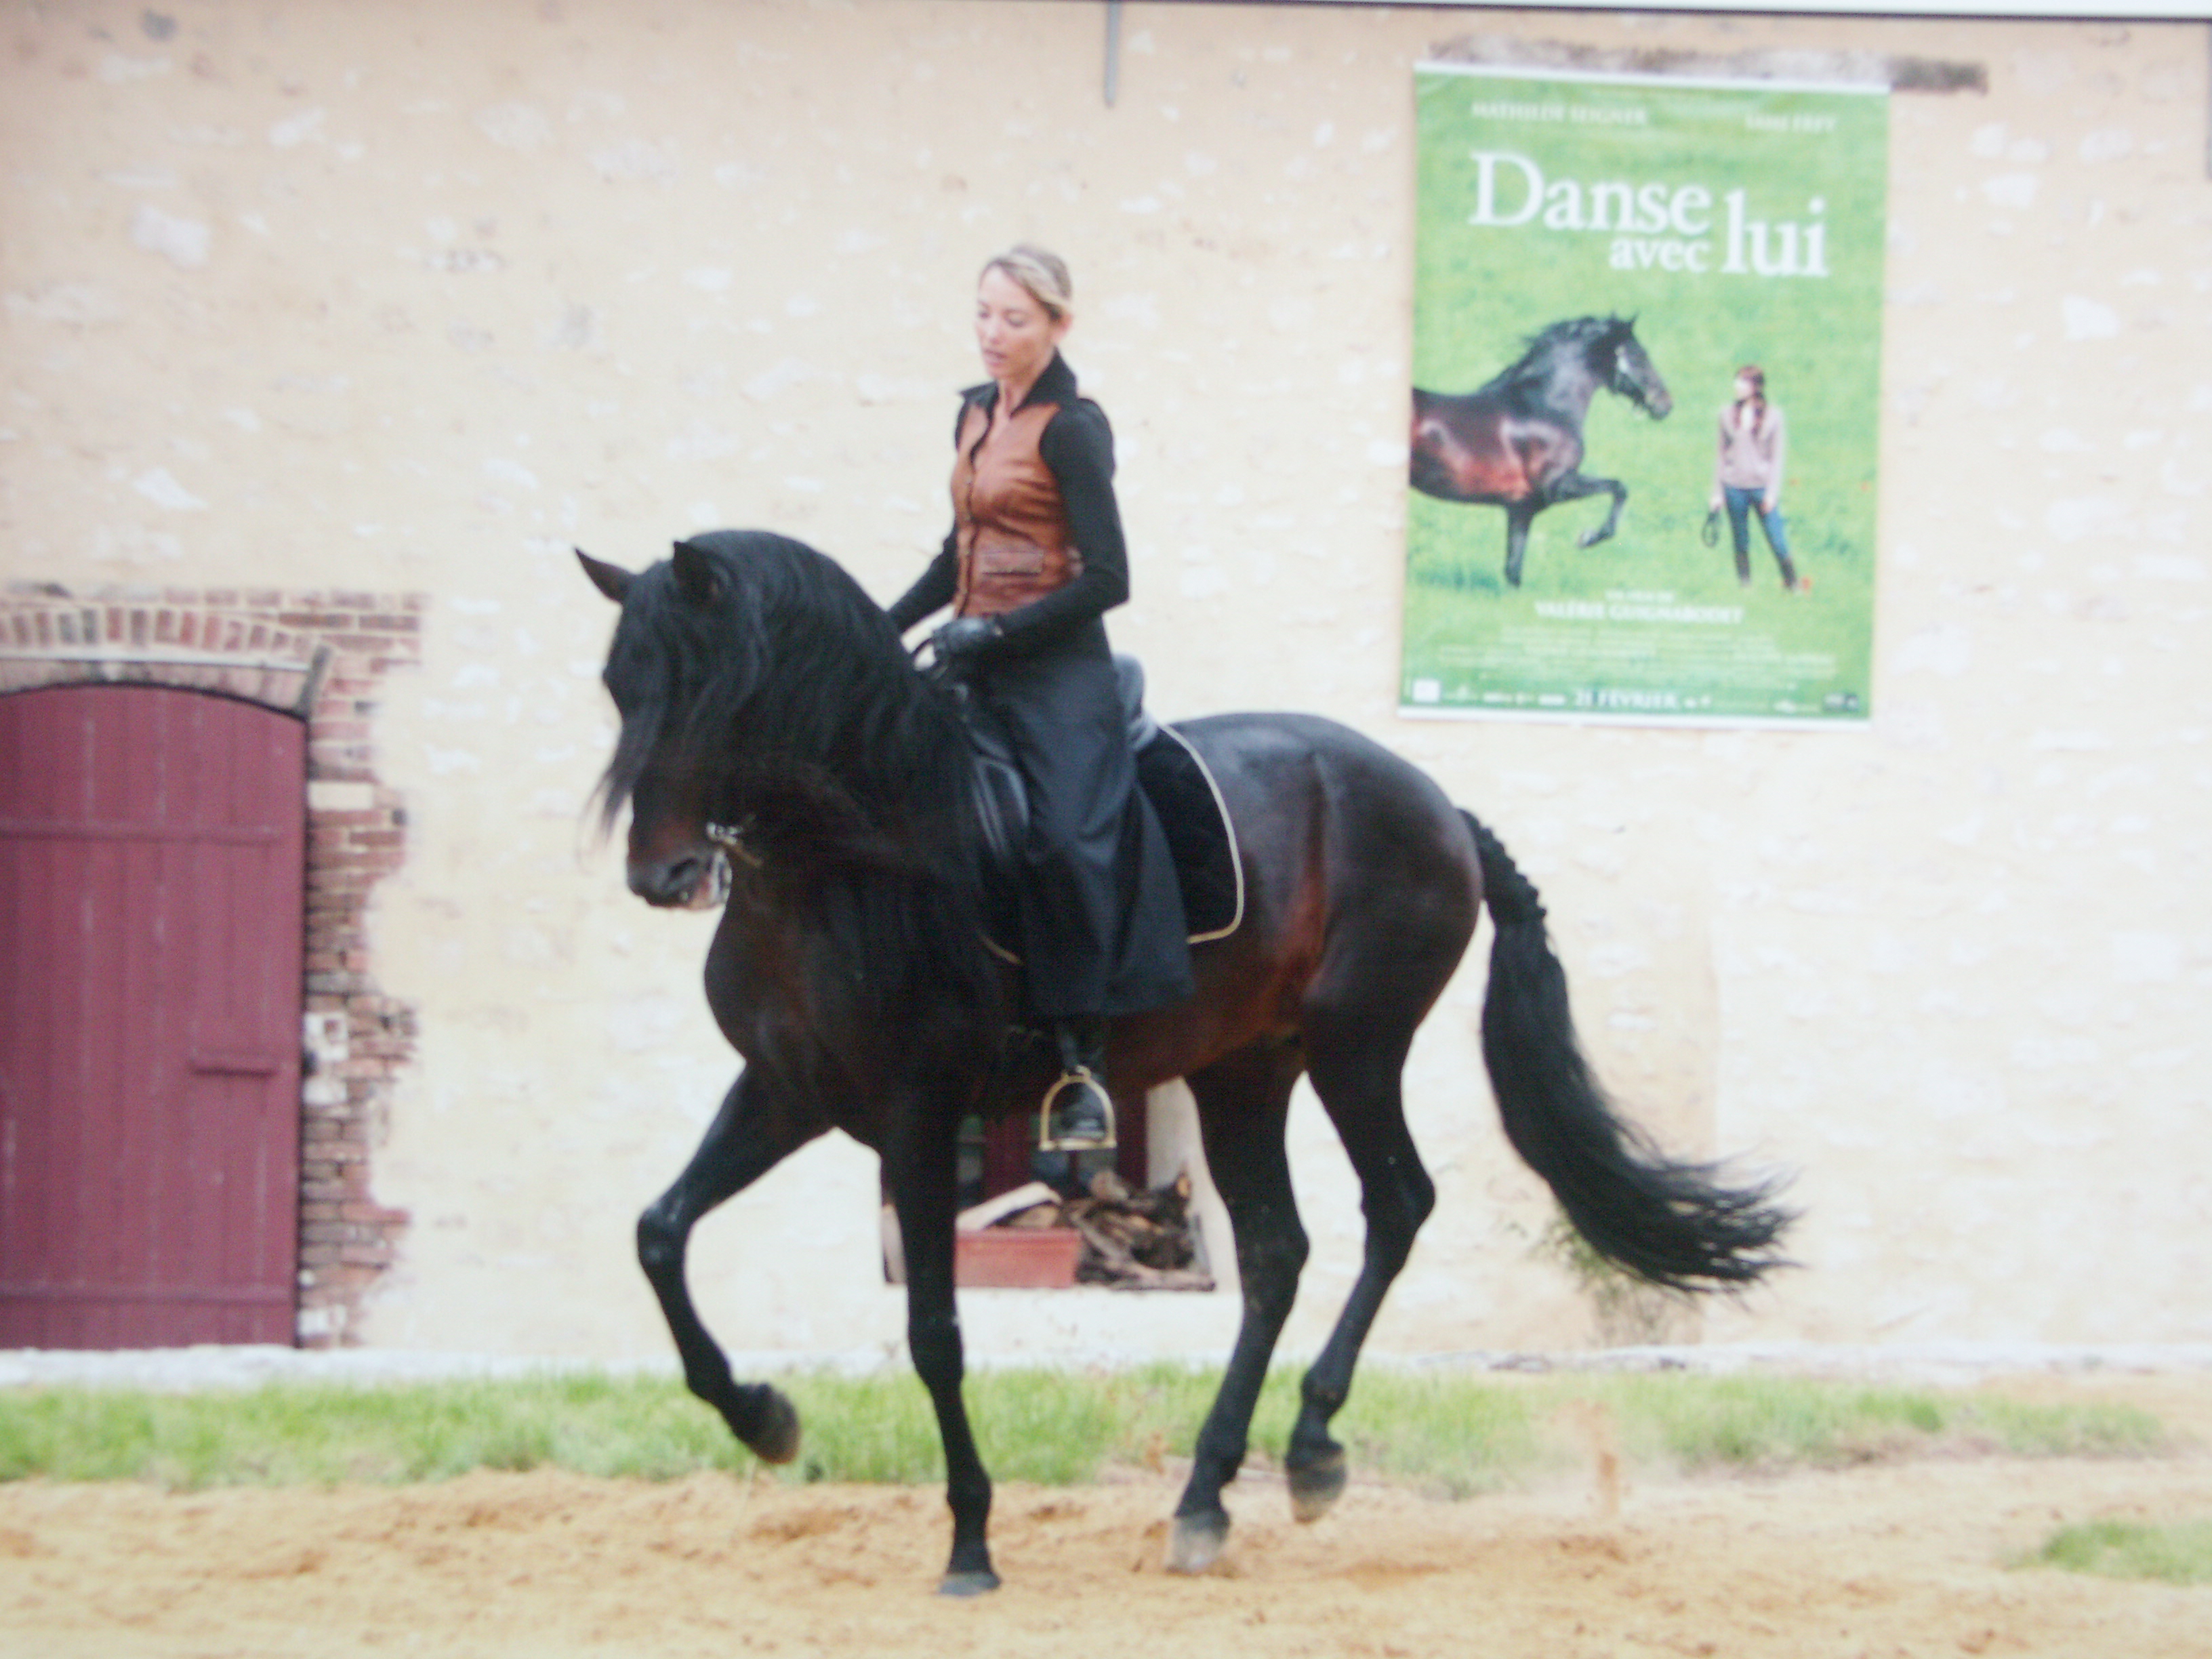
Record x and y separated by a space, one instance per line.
151 865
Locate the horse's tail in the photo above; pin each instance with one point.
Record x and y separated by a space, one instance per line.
1675 1224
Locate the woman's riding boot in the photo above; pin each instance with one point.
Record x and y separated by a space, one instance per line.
1077 1114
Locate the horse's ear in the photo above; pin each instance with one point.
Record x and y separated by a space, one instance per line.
611 580
696 577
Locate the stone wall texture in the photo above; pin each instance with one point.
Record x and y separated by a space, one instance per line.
307 303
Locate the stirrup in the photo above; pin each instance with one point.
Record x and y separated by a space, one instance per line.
1080 1077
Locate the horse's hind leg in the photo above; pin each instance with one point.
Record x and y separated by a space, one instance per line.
749 1136
1518 518
1355 1070
1243 1101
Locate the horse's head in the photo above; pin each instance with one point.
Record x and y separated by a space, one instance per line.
766 703
659 671
1631 373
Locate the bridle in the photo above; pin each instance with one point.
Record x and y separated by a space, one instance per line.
731 837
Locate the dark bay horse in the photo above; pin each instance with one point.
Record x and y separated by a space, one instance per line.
768 707
1517 443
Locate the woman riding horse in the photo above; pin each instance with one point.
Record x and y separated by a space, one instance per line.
1034 559
773 729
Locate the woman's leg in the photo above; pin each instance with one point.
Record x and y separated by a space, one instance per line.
1777 540
1739 510
1061 709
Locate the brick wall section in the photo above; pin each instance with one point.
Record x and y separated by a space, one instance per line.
320 656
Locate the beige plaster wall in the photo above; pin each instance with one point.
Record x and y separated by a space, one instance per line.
410 297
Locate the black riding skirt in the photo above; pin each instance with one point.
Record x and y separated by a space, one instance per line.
1101 918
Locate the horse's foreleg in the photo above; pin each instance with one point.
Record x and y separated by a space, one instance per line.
925 1189
1573 487
748 1137
1355 1073
1242 1102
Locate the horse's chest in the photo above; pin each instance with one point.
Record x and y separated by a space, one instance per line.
774 988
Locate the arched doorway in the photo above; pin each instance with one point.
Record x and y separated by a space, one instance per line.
152 852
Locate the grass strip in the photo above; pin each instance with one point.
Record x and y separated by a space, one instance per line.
1750 1422
1449 1434
2180 1553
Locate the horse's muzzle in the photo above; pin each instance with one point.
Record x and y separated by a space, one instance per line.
693 881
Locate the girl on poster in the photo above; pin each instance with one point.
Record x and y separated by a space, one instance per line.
1748 473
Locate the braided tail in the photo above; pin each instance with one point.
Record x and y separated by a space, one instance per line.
1671 1224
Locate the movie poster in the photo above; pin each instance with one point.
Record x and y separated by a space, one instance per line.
1647 349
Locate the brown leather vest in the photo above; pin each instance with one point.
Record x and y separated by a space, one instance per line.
1012 527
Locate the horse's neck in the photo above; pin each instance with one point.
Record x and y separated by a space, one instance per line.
1564 381
910 801
1554 379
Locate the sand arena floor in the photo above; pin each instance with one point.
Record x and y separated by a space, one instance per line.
1904 1559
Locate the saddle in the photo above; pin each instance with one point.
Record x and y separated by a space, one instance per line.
1176 780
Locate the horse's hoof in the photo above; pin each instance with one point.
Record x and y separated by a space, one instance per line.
774 1438
1316 1485
968 1583
1588 538
1197 1542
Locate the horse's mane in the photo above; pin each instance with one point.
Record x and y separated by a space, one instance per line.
782 694
1539 350
788 645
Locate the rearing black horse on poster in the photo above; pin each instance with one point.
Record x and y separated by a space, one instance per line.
1517 443
768 707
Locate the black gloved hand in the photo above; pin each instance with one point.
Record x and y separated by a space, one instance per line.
965 638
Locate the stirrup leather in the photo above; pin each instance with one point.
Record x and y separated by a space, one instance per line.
1082 1077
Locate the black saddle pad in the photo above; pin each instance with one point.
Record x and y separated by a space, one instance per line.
1204 842
1193 814
1201 839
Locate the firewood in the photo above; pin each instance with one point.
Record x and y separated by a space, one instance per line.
1110 1249
1131 1240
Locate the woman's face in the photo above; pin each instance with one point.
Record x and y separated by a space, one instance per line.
1745 388
1015 333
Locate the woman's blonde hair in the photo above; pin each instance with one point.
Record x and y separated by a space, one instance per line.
1041 273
